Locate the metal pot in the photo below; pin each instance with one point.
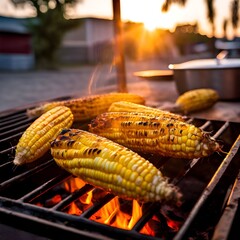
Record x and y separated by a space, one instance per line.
221 75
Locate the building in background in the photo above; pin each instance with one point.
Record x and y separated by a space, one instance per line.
91 42
16 52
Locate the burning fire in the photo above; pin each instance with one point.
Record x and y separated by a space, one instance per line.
84 202
112 213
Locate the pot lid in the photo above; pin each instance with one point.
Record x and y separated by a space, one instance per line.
155 74
207 64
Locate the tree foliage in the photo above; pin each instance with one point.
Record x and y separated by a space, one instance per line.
166 5
48 28
209 4
234 16
211 12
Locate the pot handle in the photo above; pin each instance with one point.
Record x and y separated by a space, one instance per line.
221 56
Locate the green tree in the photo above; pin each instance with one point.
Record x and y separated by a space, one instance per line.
209 4
48 28
211 14
166 5
234 16
225 25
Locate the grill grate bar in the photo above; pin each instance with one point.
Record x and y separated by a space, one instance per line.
190 165
222 229
45 227
6 151
13 131
97 206
150 211
24 205
221 130
14 125
9 138
15 115
70 223
206 193
205 125
75 195
12 120
194 161
25 174
5 164
29 197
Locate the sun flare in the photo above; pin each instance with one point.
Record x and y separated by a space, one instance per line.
150 24
147 12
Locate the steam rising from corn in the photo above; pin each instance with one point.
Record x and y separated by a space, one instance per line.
153 134
110 166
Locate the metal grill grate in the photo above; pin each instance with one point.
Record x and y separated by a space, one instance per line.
210 187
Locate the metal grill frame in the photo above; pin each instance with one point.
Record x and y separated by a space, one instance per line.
53 223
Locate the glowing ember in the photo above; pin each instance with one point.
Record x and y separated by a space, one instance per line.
83 202
124 215
73 184
173 225
111 214
73 209
87 198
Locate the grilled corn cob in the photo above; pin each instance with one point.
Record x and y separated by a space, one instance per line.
196 100
152 134
86 108
124 106
112 167
35 141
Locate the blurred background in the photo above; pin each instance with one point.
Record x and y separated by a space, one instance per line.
45 43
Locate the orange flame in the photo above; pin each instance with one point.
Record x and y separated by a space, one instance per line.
85 200
73 209
110 213
73 184
173 225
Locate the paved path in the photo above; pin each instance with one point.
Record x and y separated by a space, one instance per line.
21 88
18 89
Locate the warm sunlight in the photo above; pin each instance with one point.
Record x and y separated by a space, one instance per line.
149 13
161 20
150 25
144 11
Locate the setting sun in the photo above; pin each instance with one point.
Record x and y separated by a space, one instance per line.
147 12
150 24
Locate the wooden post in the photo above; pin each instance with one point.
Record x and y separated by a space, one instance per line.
119 51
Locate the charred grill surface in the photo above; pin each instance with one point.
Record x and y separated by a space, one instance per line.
35 195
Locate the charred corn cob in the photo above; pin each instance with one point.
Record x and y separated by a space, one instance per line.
86 108
35 141
196 100
124 106
152 134
112 167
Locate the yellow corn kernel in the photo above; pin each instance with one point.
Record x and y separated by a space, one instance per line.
196 100
151 134
109 171
124 106
35 141
86 108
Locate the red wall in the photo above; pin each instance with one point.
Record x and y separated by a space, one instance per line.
15 43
